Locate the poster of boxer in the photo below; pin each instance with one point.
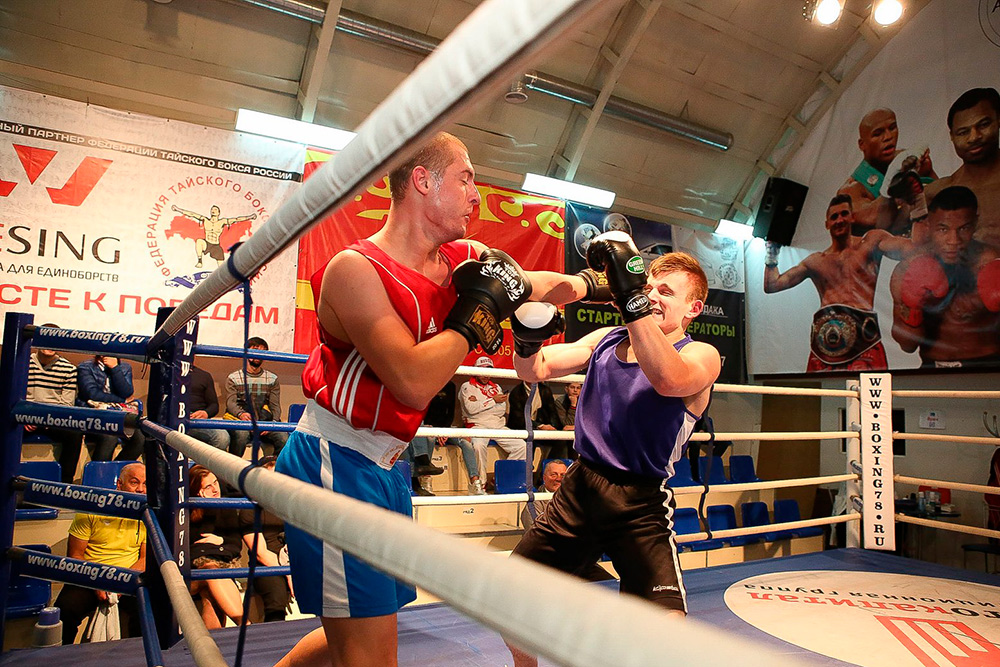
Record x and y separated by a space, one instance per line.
894 263
721 324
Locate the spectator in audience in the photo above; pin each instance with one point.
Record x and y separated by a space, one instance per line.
108 541
265 392
203 403
441 414
216 542
276 592
484 405
566 407
52 380
552 478
544 417
106 382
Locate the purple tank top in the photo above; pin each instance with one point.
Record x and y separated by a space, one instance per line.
622 422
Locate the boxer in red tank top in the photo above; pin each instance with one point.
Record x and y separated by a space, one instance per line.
398 313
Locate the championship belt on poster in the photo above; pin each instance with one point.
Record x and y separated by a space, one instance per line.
840 334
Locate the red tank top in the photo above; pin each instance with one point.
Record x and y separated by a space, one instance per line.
340 380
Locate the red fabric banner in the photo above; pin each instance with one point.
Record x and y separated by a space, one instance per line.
530 228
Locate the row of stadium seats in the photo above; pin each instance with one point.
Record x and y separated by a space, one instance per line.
723 517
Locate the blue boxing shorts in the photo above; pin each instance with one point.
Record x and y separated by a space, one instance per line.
329 582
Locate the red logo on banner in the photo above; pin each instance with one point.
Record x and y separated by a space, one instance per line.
80 183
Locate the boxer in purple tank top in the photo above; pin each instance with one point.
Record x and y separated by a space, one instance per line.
647 383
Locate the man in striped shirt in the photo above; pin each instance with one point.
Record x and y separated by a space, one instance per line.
52 380
265 392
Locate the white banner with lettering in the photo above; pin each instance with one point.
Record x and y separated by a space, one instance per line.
106 216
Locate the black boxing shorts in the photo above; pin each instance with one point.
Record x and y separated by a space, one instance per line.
842 333
629 517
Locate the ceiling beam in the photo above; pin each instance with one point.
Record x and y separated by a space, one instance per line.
314 65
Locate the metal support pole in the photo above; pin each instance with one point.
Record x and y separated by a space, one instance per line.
14 362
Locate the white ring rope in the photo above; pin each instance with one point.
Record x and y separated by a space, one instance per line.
931 393
781 391
935 437
522 434
494 499
944 525
957 486
492 44
760 486
502 593
204 650
769 528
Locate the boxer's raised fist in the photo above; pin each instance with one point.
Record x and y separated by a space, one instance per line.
489 291
532 324
988 284
616 255
924 283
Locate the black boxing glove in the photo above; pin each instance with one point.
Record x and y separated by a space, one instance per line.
489 291
616 255
597 287
534 323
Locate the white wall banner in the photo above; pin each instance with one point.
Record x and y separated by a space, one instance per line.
825 304
106 216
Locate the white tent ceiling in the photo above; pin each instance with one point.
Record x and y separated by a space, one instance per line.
752 69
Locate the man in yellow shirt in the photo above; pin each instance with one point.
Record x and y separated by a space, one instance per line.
108 541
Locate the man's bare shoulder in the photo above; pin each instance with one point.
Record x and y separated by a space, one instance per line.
934 187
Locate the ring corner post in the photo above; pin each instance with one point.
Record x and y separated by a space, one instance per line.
14 361
853 487
167 485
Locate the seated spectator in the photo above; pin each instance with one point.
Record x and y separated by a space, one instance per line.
566 406
441 413
544 417
216 542
106 382
108 541
419 454
52 380
552 478
484 405
276 592
203 403
265 392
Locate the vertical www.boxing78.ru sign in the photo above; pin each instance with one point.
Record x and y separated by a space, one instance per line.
876 462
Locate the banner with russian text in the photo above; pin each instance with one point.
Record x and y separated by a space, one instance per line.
527 227
106 216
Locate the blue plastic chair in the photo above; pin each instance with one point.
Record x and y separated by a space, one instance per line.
27 596
723 517
295 411
755 514
508 475
718 475
686 523
103 474
682 474
49 471
788 510
741 469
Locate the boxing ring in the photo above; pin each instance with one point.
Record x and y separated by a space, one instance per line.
733 618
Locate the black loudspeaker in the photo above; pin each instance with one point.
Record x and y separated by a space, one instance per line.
779 210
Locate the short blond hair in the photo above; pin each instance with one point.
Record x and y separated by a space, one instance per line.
673 262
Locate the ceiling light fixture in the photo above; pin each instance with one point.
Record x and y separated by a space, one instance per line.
824 12
554 187
279 127
734 230
887 12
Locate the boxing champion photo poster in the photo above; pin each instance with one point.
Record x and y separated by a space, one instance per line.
895 261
